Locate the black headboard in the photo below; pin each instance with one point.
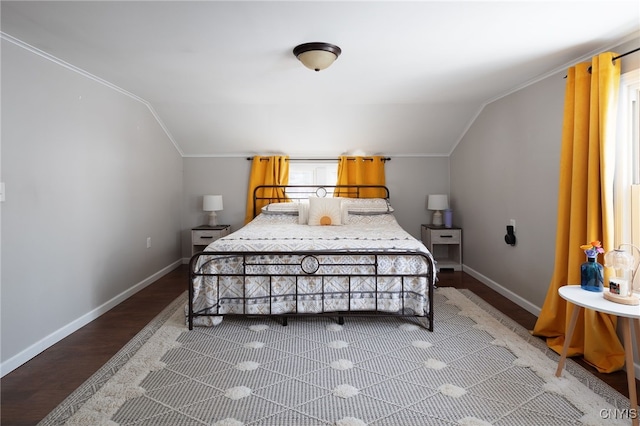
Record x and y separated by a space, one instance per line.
265 194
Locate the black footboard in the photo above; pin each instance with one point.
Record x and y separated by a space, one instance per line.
335 283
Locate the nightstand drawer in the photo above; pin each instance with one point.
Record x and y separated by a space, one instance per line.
445 236
204 235
208 236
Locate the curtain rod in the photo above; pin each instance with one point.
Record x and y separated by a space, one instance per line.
625 54
384 159
616 57
620 56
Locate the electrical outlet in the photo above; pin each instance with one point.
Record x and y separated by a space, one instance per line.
148 242
512 222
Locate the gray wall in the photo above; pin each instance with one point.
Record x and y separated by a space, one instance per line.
228 177
409 181
89 176
507 167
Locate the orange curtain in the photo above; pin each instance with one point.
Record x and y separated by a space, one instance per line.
585 209
361 171
272 170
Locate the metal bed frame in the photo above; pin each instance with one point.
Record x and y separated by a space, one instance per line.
310 263
296 193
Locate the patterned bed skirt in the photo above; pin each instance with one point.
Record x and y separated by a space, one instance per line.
338 283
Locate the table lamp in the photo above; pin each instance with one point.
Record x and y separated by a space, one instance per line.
437 202
212 203
621 286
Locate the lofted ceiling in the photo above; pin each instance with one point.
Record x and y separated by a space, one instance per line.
222 80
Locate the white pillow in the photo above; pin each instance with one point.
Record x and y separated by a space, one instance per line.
281 208
367 206
344 212
325 211
303 213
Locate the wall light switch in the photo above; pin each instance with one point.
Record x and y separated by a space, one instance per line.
2 194
512 222
148 242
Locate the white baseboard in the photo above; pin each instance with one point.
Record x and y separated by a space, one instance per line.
524 303
17 360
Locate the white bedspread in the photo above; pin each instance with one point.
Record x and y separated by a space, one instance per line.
282 232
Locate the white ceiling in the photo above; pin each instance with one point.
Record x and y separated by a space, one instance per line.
222 79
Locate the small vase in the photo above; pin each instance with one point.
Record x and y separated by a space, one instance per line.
591 275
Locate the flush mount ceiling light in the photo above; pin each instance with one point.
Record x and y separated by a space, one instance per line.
317 56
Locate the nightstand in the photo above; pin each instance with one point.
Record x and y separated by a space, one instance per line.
445 244
202 236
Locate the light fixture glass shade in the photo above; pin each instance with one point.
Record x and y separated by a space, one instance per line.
212 203
317 59
317 56
438 202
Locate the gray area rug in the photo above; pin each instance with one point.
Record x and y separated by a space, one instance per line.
477 367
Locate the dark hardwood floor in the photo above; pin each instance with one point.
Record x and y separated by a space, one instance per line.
34 389
31 391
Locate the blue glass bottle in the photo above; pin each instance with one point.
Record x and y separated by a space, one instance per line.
591 275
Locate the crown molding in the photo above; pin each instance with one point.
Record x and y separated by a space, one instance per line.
86 74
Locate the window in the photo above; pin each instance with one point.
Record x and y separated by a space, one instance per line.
313 173
634 106
627 172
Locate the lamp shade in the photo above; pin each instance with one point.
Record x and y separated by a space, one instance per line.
437 202
211 203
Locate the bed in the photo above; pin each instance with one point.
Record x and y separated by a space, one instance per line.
285 263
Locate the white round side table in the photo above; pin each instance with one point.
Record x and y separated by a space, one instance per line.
626 313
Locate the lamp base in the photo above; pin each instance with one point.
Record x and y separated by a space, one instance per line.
625 300
437 218
213 219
